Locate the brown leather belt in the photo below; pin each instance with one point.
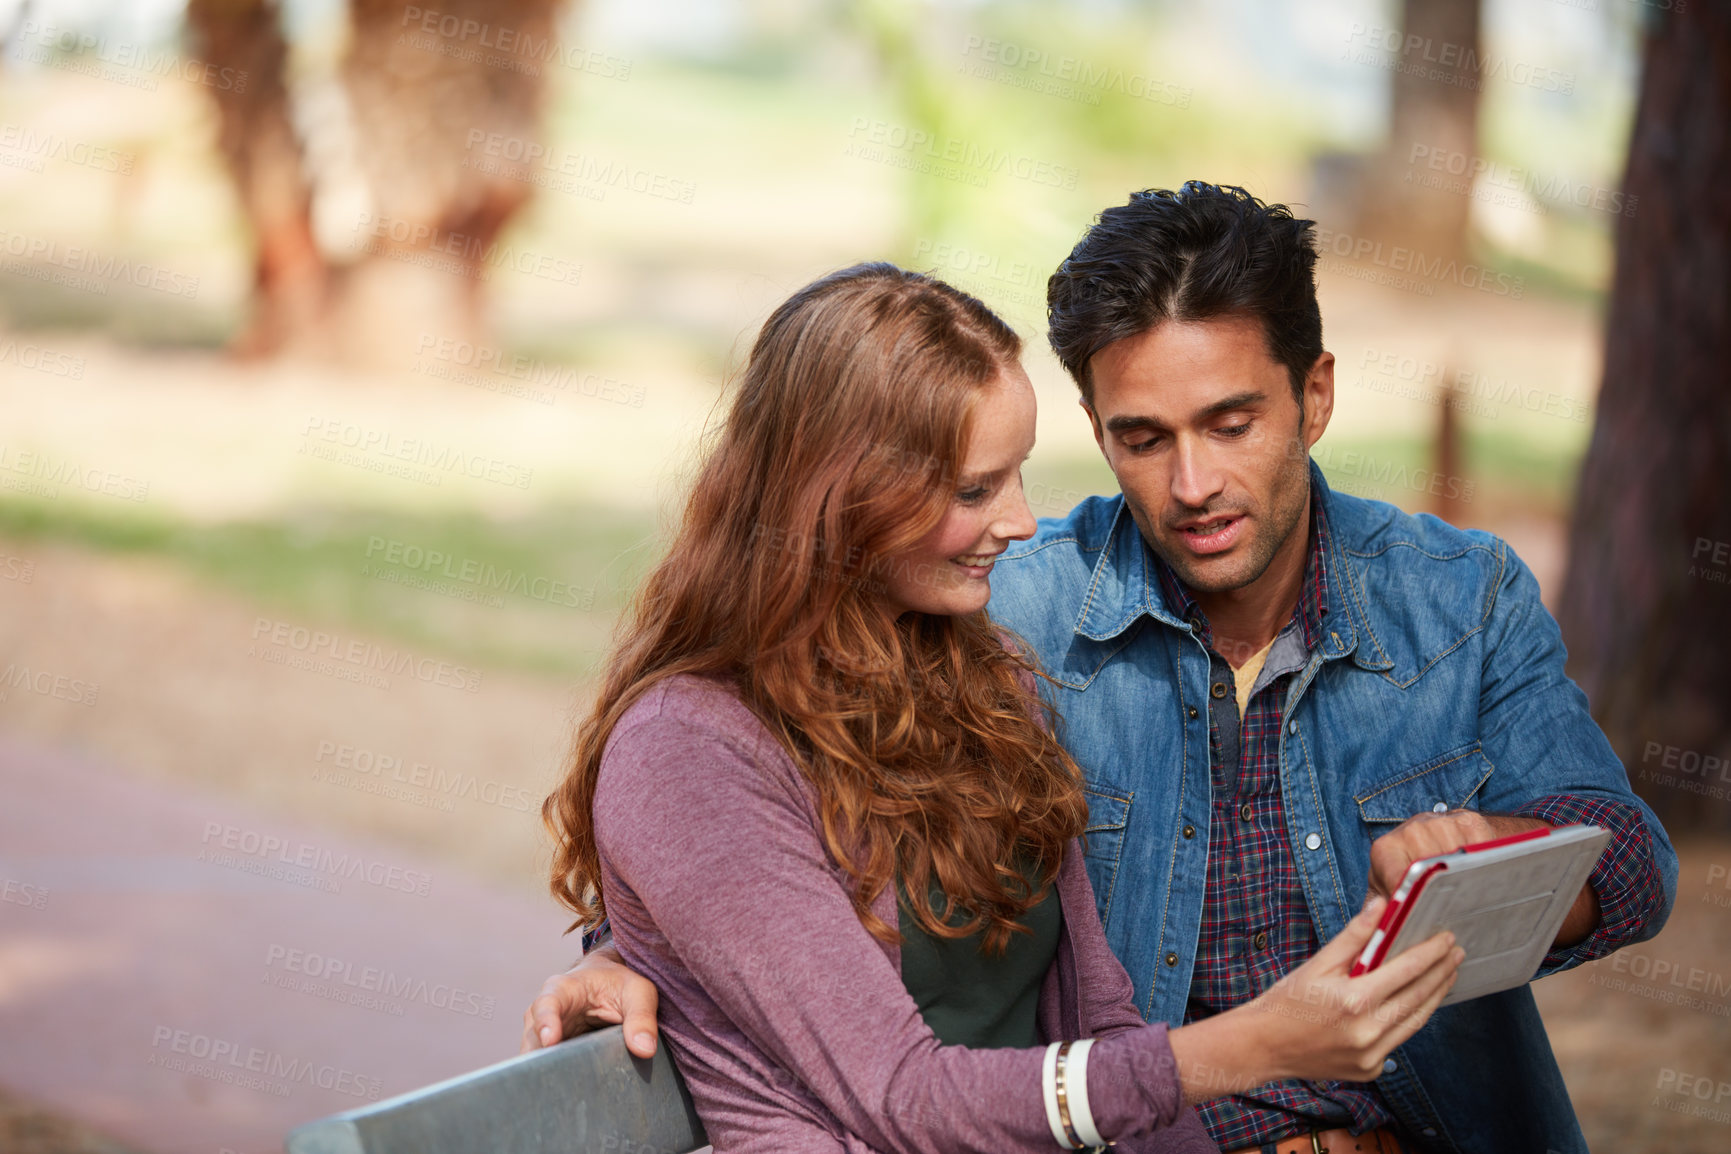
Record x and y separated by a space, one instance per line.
1382 1140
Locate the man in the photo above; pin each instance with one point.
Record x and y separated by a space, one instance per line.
1281 695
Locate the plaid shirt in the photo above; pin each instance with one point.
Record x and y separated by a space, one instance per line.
1256 924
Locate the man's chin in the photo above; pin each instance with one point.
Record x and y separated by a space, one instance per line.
1220 573
1213 579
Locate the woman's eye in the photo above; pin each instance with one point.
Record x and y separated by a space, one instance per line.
972 496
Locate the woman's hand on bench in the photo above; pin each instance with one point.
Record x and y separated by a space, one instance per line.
597 991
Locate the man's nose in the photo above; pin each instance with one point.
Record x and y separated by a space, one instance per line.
1196 476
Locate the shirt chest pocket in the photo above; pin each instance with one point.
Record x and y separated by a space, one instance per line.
1103 841
1447 781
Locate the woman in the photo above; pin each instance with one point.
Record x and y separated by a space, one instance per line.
826 810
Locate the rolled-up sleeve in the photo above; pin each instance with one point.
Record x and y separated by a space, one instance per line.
1626 879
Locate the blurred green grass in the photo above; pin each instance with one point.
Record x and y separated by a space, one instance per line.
537 594
359 567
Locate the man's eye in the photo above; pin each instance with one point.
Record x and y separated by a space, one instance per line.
1234 430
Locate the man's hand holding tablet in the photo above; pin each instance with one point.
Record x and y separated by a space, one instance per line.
1503 899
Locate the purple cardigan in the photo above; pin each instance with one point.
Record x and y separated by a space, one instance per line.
788 1020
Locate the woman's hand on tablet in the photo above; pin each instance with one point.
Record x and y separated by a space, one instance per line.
1318 1023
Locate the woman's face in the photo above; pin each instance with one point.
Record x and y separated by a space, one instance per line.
948 571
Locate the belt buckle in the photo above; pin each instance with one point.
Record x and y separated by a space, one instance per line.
1316 1146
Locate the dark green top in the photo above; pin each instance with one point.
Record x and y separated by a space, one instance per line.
969 998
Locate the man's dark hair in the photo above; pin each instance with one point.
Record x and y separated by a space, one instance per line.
1201 252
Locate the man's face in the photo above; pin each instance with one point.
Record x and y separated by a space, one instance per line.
1209 445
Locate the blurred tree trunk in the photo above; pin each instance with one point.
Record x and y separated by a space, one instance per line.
1434 105
1646 605
441 197
258 143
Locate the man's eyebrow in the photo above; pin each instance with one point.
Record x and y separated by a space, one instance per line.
1125 422
1235 401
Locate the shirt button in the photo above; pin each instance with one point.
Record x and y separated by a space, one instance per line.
1262 941
1440 807
1389 1065
1189 831
1244 811
1193 713
1292 727
1428 1132
1172 959
1219 689
1312 841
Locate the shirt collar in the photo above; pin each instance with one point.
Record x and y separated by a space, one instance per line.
1126 585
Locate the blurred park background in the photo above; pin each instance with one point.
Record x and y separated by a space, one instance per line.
353 355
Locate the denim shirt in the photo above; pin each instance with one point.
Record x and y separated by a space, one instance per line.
1439 683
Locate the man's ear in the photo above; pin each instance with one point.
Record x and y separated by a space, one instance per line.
1318 399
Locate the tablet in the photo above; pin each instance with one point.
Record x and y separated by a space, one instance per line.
1504 900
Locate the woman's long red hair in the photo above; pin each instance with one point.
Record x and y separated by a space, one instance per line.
919 733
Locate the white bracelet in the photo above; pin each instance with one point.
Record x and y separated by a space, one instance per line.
1049 1090
1080 1115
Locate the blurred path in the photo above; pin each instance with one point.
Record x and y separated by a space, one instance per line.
189 973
